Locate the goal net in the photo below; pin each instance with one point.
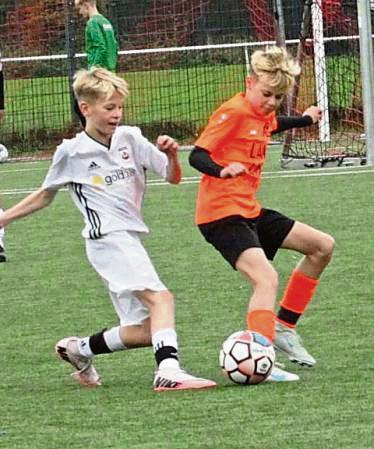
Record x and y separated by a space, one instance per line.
182 59
329 54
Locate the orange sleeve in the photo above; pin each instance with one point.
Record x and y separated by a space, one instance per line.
222 124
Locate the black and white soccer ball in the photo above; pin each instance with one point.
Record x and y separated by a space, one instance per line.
247 357
3 153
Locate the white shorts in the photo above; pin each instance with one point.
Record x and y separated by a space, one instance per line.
124 265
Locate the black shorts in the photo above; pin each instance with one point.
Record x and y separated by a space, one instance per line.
233 235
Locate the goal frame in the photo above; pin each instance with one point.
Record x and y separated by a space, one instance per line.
313 20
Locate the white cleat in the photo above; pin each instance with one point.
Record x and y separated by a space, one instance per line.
168 379
86 375
280 375
289 343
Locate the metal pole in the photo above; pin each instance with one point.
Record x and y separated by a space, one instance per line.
367 74
279 23
320 71
280 39
70 49
304 32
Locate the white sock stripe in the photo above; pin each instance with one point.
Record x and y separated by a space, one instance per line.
164 337
84 347
113 340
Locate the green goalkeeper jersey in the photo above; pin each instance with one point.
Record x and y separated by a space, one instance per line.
101 43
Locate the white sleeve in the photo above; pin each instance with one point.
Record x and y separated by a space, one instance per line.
150 157
59 173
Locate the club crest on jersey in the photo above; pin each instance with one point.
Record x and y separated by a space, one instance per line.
124 154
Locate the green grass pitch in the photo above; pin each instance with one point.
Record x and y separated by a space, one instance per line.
48 291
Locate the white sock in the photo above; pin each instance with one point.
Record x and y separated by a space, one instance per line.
161 339
84 347
113 340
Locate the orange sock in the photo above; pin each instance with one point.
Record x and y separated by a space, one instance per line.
262 321
298 294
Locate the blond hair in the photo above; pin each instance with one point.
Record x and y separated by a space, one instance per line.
98 84
275 67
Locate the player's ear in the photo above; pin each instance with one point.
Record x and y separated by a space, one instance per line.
84 107
250 81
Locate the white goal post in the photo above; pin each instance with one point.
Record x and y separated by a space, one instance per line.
367 74
320 70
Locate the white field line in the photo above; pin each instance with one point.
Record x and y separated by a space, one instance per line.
301 170
195 179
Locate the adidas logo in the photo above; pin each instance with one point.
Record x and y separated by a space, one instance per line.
93 165
166 383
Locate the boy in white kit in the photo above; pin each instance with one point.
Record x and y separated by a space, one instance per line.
104 169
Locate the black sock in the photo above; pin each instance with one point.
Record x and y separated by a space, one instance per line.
97 343
166 352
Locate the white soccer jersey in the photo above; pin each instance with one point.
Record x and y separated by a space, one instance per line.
107 184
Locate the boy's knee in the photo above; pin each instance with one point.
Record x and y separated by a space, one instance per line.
327 246
164 298
167 297
324 248
272 279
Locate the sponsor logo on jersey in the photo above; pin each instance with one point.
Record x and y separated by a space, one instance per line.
107 27
98 180
119 174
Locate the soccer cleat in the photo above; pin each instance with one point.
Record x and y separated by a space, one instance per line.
280 375
289 342
86 375
2 254
168 379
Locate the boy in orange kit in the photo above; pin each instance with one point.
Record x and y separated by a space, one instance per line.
230 153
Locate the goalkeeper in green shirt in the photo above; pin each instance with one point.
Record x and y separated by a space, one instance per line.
100 41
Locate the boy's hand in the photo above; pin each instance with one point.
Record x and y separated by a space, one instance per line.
167 145
315 112
232 170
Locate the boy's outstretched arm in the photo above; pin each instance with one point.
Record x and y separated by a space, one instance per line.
33 202
310 116
170 147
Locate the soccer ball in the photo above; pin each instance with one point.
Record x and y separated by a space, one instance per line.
247 357
3 153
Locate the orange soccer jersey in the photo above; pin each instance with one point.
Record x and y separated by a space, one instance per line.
235 133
